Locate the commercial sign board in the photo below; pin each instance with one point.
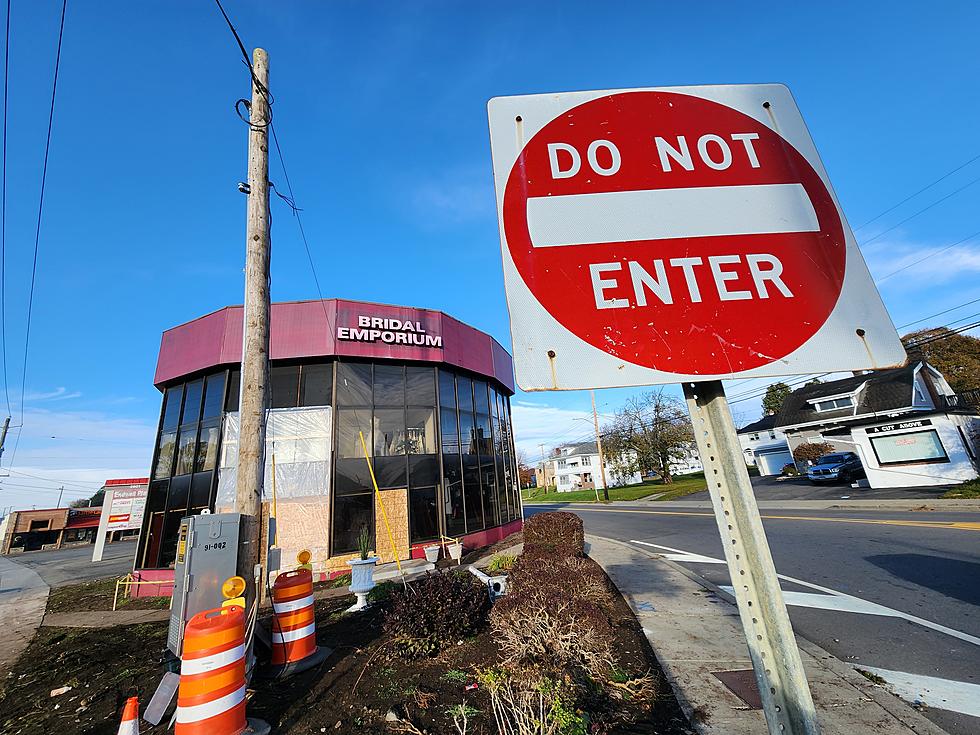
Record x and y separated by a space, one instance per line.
917 424
390 331
676 234
125 511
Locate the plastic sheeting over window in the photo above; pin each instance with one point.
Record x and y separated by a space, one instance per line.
300 440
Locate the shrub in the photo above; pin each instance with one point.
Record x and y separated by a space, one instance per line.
501 563
553 632
579 578
557 533
528 704
812 451
789 469
439 608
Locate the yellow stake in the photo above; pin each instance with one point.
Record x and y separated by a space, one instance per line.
384 514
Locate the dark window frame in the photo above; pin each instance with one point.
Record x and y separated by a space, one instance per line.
909 463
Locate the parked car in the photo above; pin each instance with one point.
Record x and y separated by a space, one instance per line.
836 467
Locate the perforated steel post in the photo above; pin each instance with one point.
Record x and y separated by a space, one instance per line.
775 657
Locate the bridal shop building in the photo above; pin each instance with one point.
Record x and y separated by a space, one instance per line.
429 395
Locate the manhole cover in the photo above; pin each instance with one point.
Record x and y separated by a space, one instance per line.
742 685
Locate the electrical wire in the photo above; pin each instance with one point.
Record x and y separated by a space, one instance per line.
3 214
921 211
932 316
263 90
40 213
920 191
926 257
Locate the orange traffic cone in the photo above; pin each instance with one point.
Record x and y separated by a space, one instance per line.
130 723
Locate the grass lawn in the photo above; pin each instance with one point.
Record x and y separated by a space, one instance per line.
969 489
681 486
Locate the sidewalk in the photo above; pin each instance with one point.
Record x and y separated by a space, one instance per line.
697 634
23 597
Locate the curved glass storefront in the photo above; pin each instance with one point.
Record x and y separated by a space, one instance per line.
441 435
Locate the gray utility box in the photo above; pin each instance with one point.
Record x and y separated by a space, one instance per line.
207 555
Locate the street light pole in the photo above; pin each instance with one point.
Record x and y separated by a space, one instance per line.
598 442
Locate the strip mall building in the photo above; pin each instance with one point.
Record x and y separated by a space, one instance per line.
429 394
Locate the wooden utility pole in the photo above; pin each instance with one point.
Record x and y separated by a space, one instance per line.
255 343
3 434
598 442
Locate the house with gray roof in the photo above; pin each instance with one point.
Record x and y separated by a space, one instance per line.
908 426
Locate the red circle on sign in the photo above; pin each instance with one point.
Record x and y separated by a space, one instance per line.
735 317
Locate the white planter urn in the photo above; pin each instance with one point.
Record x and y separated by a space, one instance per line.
362 580
431 553
455 551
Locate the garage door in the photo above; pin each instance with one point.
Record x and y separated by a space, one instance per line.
772 464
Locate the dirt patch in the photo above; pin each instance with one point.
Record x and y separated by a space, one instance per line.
97 595
350 693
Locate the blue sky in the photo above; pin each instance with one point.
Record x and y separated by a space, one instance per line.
380 108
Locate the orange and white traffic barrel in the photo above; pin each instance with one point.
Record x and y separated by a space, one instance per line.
211 694
130 724
294 621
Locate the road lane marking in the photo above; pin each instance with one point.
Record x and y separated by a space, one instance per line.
947 694
847 603
955 525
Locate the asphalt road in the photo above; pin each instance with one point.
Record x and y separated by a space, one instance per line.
896 591
799 488
68 566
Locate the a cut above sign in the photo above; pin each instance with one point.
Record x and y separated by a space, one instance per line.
389 331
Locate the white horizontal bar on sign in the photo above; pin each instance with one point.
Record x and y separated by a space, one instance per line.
667 214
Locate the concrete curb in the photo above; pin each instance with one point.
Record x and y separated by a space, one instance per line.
696 699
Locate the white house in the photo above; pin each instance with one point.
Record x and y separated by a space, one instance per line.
765 446
907 424
576 467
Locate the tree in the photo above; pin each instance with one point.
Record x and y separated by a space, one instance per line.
775 395
813 381
956 356
95 501
525 472
812 451
647 434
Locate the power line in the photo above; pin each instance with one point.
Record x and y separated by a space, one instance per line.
913 196
932 316
924 209
40 212
3 215
76 483
926 257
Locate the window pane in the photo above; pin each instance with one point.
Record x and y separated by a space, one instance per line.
353 384
316 382
234 389
165 457
484 440
471 493
422 514
214 395
352 477
200 491
180 488
350 422
171 407
185 450
420 386
488 478
447 389
389 432
391 472
449 430
464 393
467 434
192 402
350 515
452 494
423 470
207 449
421 431
157 499
389 385
284 387
480 391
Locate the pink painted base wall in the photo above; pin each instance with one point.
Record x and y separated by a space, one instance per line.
164 578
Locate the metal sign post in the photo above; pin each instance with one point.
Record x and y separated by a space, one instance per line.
775 657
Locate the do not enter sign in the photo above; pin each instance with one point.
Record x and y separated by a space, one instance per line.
659 235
